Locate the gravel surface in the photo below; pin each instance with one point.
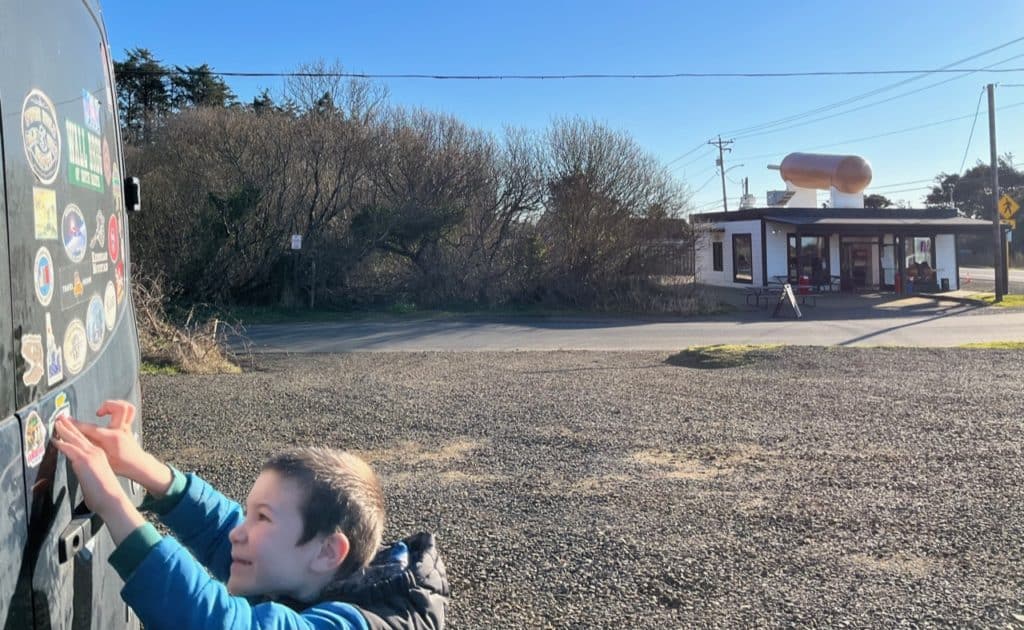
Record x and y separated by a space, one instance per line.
819 487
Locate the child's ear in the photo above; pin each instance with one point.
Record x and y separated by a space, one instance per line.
333 551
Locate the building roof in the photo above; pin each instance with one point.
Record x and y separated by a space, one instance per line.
861 220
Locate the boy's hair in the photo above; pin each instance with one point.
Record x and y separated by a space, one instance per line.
342 494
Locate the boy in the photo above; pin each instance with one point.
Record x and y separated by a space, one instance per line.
313 522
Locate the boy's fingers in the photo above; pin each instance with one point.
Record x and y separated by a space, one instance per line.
121 412
68 433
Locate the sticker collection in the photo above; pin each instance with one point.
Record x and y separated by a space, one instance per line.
78 254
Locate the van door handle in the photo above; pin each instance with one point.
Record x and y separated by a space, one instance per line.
78 532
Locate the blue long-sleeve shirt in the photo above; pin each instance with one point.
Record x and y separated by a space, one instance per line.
168 588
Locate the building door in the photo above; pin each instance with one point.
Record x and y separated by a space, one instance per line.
855 265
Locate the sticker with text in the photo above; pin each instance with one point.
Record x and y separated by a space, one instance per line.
40 134
94 326
75 345
35 439
85 157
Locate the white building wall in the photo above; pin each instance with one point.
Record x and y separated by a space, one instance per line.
945 260
833 254
704 260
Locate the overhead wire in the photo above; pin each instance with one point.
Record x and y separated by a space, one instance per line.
857 109
824 108
561 77
977 109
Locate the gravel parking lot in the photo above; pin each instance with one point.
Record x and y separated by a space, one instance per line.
812 487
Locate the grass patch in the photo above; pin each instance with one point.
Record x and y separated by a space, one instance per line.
722 356
1009 301
995 345
149 367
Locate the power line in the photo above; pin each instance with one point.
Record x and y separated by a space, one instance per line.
672 161
948 67
562 77
973 124
878 135
898 184
860 108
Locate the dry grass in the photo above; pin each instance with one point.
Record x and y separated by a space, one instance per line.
192 348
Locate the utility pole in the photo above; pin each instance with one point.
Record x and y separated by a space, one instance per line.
996 227
723 145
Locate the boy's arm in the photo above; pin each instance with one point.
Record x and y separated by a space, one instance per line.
202 521
164 584
168 589
201 518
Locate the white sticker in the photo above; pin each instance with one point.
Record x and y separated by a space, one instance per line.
94 326
75 345
43 272
35 439
54 356
109 305
41 136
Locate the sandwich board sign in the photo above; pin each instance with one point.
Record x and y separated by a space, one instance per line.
784 297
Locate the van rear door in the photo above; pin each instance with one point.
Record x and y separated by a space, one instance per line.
75 343
13 522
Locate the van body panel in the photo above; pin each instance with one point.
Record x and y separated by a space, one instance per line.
68 335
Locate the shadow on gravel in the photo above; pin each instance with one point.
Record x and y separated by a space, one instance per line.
722 356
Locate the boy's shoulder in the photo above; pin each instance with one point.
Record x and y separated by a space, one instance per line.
405 586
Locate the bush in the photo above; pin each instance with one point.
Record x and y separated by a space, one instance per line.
193 347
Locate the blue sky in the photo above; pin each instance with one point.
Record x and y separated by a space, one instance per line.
668 117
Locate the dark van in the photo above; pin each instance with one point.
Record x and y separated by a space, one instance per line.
67 329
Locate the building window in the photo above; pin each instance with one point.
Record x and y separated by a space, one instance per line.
810 259
716 257
742 259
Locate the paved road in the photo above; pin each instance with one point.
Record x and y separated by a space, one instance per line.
926 326
983 279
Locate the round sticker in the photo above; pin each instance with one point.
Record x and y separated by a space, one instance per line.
74 346
41 135
109 305
94 326
113 238
35 439
43 270
74 231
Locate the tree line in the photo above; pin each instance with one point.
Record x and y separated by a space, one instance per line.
393 205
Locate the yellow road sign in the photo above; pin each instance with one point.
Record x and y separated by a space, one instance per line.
1011 222
1008 207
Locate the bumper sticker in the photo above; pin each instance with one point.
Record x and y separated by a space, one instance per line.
74 346
35 439
54 358
44 203
94 326
32 353
41 136
109 305
75 234
43 272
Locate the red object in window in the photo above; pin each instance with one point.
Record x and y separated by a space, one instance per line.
804 285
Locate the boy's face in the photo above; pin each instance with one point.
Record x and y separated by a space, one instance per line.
265 557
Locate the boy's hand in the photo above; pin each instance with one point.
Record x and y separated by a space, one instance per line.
103 493
123 451
117 440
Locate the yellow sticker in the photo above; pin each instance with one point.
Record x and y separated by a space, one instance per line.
44 201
